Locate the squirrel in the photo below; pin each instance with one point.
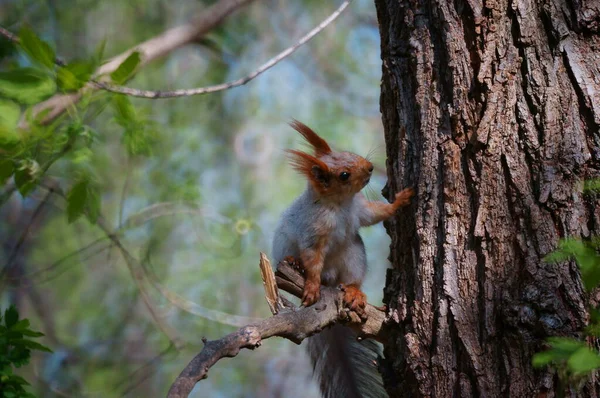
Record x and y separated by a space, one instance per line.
319 232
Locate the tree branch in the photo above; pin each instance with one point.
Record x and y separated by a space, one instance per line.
294 325
149 50
234 83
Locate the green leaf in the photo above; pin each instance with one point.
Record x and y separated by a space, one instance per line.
31 345
25 176
93 205
561 349
99 53
38 50
7 47
584 360
6 170
542 359
76 200
31 333
594 314
138 139
11 316
26 85
67 81
9 139
83 198
11 335
21 325
585 255
565 346
10 113
16 379
75 75
126 69
125 112
82 155
592 185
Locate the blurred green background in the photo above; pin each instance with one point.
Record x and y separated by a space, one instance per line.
196 201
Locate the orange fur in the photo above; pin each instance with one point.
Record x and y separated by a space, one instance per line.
354 298
305 163
312 262
403 198
319 144
379 211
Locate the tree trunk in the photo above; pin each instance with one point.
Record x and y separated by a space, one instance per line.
492 112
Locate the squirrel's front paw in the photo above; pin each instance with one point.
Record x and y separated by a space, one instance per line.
354 299
403 197
311 293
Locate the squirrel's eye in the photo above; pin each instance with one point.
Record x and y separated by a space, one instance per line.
344 176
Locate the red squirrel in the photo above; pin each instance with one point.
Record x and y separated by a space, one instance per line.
320 232
320 229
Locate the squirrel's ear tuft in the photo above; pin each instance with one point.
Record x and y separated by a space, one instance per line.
320 145
308 165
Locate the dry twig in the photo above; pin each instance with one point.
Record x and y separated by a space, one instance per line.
270 285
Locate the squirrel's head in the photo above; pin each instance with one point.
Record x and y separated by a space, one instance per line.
332 174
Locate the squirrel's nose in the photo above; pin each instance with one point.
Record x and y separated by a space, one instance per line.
370 168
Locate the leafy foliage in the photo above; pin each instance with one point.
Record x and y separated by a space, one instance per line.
28 155
26 85
38 50
126 69
75 75
83 198
572 357
16 345
190 186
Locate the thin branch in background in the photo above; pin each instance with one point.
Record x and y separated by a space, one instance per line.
15 39
62 271
61 261
223 86
23 237
132 382
124 190
235 83
40 304
135 273
171 334
150 50
5 196
118 331
196 309
192 307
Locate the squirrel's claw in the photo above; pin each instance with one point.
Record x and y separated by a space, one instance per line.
311 293
403 197
354 299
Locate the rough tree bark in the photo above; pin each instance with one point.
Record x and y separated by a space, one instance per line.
491 111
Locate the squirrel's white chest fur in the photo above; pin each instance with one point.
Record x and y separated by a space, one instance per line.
307 219
340 222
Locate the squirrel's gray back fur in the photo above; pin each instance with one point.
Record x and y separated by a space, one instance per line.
345 367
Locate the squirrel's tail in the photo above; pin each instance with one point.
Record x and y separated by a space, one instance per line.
344 366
